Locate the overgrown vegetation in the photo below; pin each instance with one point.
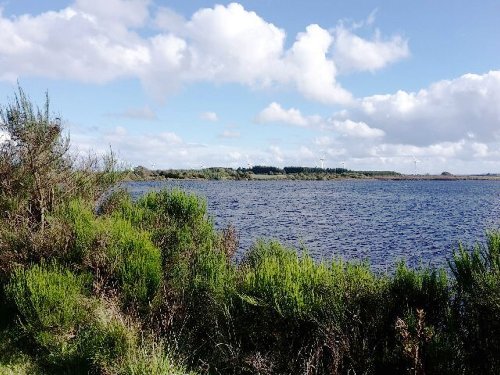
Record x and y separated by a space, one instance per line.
150 287
256 172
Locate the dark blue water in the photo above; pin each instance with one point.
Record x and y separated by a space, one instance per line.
379 221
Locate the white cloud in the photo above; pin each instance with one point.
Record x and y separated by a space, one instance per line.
129 13
170 138
277 154
168 20
350 128
480 149
169 150
105 41
353 53
447 111
117 132
70 44
451 125
323 141
311 69
233 44
209 116
275 113
306 153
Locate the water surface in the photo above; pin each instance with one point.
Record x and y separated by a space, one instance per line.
378 221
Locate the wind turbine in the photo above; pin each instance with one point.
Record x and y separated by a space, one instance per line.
322 163
415 162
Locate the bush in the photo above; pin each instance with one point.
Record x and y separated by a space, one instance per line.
51 304
477 305
115 251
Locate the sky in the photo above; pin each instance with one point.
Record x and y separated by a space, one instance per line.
409 86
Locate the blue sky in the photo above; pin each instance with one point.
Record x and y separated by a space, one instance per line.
176 84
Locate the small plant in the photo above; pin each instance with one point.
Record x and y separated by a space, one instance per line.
413 340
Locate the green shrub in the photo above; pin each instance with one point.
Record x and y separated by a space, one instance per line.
477 305
426 289
113 248
278 278
179 226
51 304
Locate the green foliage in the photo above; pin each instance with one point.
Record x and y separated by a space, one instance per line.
130 281
150 358
179 226
426 289
51 303
105 340
47 297
13 359
278 278
117 250
477 305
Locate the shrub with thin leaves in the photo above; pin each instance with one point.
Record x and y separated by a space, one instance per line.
118 251
51 305
477 305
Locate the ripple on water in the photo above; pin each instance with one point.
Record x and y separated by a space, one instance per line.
379 221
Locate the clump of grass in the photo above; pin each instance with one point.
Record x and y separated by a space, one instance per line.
104 340
150 358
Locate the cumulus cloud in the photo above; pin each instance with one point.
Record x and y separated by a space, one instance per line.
353 53
105 41
311 69
85 50
450 125
274 113
447 111
209 116
350 128
323 141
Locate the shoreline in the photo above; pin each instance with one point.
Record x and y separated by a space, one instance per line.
327 178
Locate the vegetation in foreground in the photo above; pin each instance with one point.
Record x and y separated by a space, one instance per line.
150 287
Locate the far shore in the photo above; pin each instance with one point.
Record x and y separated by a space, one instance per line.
348 177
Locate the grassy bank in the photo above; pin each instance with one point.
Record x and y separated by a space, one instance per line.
150 287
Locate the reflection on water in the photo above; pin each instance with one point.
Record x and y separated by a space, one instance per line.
378 221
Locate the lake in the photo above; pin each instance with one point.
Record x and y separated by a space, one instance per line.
378 221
